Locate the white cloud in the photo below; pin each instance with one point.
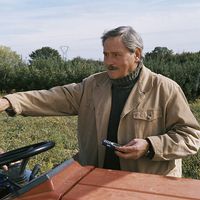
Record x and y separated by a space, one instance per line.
27 26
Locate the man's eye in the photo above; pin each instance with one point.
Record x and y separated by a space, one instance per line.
116 55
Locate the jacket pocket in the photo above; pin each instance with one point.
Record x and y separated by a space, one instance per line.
148 115
148 122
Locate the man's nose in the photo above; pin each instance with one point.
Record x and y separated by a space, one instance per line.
108 60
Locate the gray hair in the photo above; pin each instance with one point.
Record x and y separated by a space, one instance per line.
130 37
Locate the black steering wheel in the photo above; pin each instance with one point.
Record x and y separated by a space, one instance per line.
15 177
25 152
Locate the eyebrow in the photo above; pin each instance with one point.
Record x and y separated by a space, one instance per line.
112 52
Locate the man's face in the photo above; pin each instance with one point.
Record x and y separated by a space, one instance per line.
118 59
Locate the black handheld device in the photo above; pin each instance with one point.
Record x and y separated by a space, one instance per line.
110 145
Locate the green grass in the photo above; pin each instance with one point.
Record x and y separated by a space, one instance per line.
20 131
191 164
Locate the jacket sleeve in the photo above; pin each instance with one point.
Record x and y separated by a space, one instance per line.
60 100
182 136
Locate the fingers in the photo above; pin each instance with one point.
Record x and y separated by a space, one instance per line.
135 149
127 152
127 148
5 168
131 155
132 142
4 104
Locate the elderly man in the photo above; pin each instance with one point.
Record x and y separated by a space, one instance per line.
146 113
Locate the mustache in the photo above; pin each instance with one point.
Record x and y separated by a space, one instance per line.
112 67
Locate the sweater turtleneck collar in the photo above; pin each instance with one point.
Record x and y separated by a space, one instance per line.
128 80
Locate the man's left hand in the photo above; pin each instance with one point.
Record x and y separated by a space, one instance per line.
135 149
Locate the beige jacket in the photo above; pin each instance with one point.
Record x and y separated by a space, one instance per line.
156 108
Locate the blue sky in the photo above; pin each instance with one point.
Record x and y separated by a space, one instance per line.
27 25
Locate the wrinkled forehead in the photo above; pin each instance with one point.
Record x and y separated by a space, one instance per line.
114 44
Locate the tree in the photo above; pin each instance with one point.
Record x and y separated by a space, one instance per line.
159 52
9 58
45 53
10 61
162 51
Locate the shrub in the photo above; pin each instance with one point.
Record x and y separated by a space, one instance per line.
183 68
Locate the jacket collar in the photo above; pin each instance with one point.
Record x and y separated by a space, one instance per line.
145 82
141 88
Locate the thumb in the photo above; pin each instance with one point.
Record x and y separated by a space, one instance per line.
132 142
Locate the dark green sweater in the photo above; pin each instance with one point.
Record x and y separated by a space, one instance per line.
121 89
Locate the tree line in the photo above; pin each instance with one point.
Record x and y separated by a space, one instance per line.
46 69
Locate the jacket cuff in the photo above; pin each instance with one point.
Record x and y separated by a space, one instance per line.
15 106
150 152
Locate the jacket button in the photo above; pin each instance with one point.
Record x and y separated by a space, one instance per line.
148 117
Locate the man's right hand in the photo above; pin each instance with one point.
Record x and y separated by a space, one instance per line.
4 167
4 104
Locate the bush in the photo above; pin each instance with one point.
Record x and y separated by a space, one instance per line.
183 68
191 166
48 70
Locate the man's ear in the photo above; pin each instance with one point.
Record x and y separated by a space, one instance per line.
138 54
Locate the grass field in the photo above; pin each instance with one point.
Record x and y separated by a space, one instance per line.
20 131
